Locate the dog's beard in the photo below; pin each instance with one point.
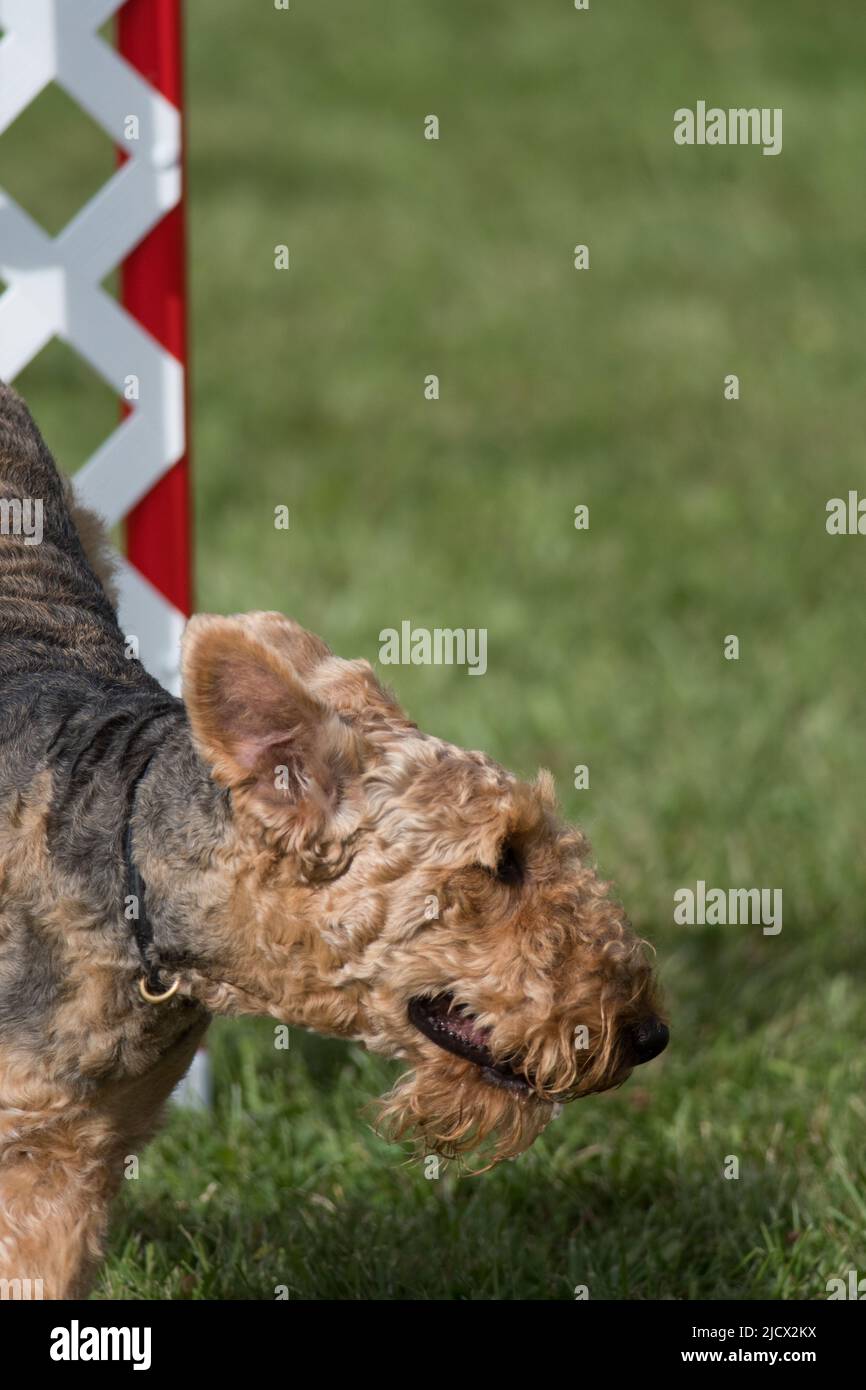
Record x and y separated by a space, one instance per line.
448 1109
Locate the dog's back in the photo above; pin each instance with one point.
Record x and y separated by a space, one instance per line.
64 667
55 613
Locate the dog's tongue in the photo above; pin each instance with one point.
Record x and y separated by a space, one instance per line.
448 1021
466 1029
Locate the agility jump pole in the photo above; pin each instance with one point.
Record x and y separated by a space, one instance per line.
153 290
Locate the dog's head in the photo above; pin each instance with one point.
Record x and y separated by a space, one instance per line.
396 889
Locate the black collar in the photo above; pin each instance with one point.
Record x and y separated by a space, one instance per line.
137 890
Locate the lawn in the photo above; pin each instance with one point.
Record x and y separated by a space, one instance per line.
558 387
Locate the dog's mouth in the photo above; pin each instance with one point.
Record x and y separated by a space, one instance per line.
455 1030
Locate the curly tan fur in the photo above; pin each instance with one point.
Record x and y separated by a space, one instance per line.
308 854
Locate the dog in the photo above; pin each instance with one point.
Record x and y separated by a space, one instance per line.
283 842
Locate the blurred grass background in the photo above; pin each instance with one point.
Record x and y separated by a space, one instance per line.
558 387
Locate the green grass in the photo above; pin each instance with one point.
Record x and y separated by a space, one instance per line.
605 647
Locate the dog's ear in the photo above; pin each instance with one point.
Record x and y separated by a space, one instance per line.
261 730
350 688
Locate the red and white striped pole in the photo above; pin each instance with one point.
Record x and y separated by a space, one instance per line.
153 289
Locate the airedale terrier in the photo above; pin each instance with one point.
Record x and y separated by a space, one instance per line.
283 841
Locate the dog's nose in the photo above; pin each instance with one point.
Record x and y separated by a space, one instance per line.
649 1038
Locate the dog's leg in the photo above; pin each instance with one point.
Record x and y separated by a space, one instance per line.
60 1171
54 1200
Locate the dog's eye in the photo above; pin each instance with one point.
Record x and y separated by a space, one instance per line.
509 866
